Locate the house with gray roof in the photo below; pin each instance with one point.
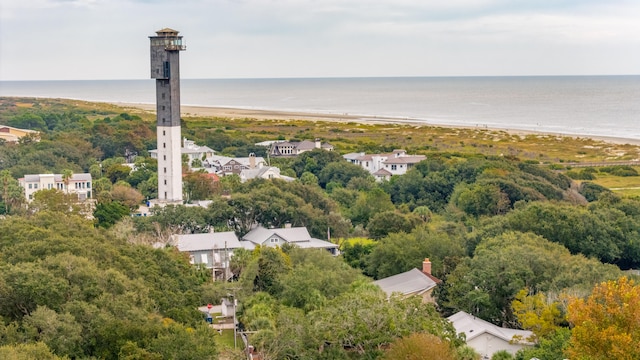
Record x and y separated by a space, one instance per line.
411 283
486 338
298 236
286 148
78 184
265 172
383 166
211 250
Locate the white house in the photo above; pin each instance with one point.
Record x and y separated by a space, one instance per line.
486 338
383 166
265 172
298 236
211 250
286 148
79 184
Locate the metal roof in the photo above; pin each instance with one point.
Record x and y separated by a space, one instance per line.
473 327
413 281
208 241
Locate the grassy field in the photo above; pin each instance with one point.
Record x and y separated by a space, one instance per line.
621 185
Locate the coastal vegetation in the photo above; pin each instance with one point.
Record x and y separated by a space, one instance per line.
520 233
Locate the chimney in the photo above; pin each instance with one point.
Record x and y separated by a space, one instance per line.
252 161
426 266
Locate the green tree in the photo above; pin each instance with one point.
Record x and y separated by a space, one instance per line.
308 178
60 332
12 195
368 204
30 351
341 173
486 284
198 186
107 214
384 223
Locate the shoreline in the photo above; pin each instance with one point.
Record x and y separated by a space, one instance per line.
260 114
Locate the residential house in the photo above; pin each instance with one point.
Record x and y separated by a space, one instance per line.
298 236
411 283
286 148
486 338
383 166
211 250
11 134
78 184
224 165
265 172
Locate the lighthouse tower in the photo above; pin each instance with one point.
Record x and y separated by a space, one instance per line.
165 68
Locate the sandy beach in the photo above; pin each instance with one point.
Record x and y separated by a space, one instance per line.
235 113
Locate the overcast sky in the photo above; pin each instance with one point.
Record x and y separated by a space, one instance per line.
108 39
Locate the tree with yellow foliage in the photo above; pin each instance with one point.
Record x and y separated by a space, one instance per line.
607 323
536 312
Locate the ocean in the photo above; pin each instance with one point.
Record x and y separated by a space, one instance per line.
604 106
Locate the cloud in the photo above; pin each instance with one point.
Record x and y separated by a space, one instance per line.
266 38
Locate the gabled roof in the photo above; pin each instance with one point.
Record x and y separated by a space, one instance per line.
382 172
294 234
353 156
208 241
473 327
246 161
306 145
413 281
259 172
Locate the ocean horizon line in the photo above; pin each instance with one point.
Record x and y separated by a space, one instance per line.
344 77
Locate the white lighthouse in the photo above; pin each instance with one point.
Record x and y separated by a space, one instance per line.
165 68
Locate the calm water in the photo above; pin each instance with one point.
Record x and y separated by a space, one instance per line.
579 105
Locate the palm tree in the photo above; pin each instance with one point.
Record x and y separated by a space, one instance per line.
66 178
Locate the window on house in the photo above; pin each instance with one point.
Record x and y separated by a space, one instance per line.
164 157
30 186
165 170
203 258
165 182
164 145
163 132
394 167
35 186
274 240
88 184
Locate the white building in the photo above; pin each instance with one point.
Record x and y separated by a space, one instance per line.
383 166
211 250
486 338
79 184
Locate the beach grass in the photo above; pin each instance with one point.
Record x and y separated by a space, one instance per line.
351 134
